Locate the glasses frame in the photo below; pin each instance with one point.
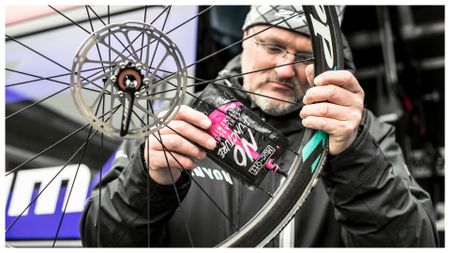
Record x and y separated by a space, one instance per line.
306 58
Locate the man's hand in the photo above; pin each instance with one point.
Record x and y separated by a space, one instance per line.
167 149
334 104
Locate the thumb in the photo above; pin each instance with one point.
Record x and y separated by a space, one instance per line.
309 71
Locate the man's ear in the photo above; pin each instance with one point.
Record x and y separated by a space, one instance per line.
245 36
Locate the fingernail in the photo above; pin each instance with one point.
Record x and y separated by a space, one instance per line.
309 69
317 80
211 143
206 123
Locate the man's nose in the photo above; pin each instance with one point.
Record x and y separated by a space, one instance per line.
286 67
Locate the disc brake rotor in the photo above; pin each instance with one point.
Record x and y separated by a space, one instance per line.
128 79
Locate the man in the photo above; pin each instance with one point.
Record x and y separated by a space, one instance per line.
366 197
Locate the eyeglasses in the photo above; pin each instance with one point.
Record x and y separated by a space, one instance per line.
275 50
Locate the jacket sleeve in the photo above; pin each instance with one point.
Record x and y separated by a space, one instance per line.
121 217
377 201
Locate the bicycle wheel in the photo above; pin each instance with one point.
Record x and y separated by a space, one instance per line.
120 86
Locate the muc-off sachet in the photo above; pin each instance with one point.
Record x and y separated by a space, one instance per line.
247 147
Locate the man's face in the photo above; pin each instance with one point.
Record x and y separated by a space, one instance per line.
287 82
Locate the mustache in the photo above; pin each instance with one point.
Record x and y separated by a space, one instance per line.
291 82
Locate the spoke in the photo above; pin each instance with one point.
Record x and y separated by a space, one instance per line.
157 44
176 190
130 45
141 34
252 128
191 177
96 45
73 22
56 143
101 171
39 194
154 86
126 47
71 188
202 82
105 75
45 150
119 54
185 22
147 55
110 63
100 96
156 69
109 36
229 46
41 78
173 182
35 103
139 106
240 41
40 54
155 98
98 17
159 15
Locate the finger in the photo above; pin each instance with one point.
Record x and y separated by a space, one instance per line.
334 94
176 143
342 78
169 159
328 110
190 133
192 116
333 127
310 74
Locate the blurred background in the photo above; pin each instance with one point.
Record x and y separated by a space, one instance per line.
398 52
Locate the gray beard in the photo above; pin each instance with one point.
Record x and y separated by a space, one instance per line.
274 107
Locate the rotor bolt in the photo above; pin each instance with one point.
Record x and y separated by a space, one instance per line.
122 65
136 95
120 93
138 66
113 79
146 81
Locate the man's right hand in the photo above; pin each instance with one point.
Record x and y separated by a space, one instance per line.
177 152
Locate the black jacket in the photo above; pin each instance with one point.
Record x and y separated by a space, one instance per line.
366 197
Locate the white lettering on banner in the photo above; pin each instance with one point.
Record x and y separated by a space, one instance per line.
26 181
320 28
217 174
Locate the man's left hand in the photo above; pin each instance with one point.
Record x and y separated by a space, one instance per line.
334 104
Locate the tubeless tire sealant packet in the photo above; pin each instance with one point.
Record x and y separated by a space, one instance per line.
247 147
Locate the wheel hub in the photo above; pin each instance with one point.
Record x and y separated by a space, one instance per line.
129 76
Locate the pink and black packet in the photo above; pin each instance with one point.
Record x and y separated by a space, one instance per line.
247 147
